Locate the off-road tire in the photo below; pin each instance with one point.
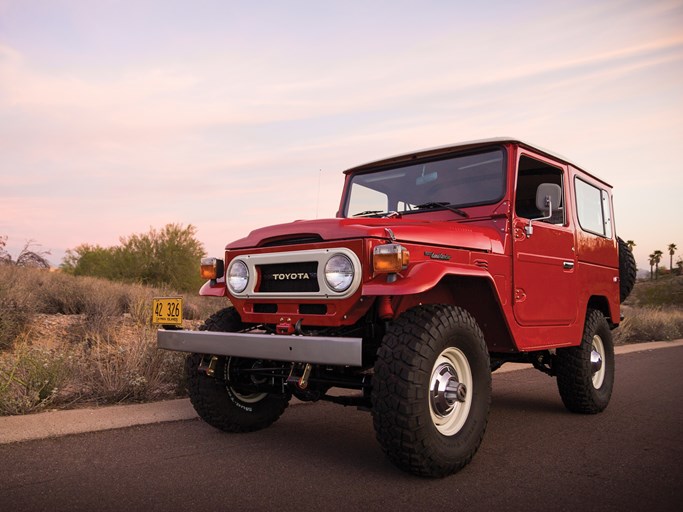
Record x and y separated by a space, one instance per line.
215 400
575 377
627 270
403 414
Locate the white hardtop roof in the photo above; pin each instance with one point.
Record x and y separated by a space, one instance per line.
449 148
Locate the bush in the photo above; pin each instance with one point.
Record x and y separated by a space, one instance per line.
31 378
649 324
16 304
667 291
25 292
134 371
168 257
27 257
70 339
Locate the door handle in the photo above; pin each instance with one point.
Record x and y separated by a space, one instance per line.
568 265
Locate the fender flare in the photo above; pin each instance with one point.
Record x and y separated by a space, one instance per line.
423 276
214 288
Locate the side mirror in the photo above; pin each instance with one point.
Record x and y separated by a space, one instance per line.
547 194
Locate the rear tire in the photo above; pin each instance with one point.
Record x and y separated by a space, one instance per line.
421 428
222 401
586 385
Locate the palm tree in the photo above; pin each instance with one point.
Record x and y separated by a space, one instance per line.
652 264
672 249
631 244
658 257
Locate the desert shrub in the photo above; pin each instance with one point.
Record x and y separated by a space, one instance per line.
134 371
166 257
16 304
101 371
650 324
30 256
139 303
31 378
61 294
105 353
666 291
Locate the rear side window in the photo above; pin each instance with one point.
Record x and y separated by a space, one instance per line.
593 208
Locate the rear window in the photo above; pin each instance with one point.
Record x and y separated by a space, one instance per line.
593 208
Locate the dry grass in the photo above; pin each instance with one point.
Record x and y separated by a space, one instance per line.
649 324
68 341
135 371
31 378
100 371
653 311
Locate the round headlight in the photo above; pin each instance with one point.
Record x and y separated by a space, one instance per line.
339 272
238 276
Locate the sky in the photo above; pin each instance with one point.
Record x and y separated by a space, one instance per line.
121 116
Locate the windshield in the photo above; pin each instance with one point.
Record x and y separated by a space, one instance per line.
460 181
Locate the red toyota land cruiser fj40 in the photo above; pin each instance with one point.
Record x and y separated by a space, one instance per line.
441 266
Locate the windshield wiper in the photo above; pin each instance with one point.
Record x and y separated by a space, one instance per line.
367 213
442 204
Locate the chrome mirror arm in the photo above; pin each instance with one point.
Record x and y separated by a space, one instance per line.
529 229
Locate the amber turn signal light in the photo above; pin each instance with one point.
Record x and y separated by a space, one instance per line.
390 258
211 268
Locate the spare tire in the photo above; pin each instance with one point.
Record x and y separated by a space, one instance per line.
627 270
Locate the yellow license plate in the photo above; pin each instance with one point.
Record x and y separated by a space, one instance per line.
167 311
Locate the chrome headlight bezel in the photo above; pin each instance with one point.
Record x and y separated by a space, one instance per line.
339 272
237 276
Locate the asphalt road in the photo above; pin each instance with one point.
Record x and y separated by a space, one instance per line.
535 456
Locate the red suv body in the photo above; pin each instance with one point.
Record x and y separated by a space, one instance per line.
440 266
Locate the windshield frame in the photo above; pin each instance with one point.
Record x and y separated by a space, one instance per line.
448 156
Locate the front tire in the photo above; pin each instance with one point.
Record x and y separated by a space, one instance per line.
431 390
585 374
223 401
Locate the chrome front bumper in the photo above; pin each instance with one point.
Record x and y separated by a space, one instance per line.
298 349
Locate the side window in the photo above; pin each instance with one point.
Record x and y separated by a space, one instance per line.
593 208
531 174
606 215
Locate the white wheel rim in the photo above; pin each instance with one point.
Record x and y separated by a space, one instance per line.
598 361
449 413
250 398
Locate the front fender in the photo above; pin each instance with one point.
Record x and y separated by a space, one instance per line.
421 277
214 288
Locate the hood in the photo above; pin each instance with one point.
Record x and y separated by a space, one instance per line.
405 229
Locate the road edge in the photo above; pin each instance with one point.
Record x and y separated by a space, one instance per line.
30 427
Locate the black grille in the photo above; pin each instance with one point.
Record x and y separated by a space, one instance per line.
304 239
289 277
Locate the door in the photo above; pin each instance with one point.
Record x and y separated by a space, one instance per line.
544 262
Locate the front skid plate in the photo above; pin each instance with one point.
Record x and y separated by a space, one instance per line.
299 349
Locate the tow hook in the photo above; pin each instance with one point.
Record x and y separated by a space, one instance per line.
285 327
208 367
300 381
